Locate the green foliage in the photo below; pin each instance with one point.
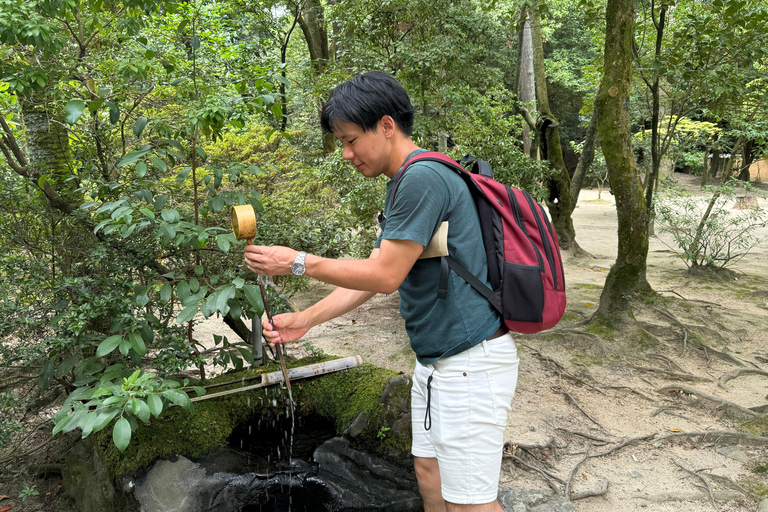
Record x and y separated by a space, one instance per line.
712 241
140 397
488 134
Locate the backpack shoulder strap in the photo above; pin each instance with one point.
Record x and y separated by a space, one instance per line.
431 156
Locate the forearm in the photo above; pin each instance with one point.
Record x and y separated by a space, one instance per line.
362 275
337 303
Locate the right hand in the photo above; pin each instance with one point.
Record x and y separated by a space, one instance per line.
288 327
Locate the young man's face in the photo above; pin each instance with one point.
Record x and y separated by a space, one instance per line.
368 150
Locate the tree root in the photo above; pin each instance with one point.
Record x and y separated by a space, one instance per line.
722 436
673 375
632 390
589 494
534 451
548 477
735 373
585 435
619 446
698 476
690 496
722 403
576 403
671 365
666 411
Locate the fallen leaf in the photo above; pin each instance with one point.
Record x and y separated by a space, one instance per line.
6 508
675 430
588 303
3 497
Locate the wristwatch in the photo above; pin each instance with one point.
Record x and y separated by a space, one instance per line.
298 266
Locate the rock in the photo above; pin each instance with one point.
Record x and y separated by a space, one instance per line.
86 479
532 500
341 478
358 426
763 506
733 453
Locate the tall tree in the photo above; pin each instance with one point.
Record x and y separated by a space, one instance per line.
560 201
627 277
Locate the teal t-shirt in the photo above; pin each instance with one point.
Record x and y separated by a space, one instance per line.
428 194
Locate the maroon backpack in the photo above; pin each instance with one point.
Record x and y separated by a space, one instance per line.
525 268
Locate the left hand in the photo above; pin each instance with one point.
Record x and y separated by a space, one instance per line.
270 261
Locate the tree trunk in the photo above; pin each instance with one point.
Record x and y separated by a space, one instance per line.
560 201
656 150
526 89
312 23
747 157
711 170
48 155
586 157
628 275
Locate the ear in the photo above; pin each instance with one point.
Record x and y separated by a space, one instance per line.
388 125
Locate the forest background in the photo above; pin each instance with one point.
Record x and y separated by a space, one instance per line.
130 128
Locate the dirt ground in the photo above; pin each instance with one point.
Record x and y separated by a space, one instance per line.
581 396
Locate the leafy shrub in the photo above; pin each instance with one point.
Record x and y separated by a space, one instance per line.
713 239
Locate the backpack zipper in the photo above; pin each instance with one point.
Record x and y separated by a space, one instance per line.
543 234
521 223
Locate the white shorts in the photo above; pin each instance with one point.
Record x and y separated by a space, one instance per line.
469 397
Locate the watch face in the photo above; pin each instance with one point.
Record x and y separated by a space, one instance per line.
297 268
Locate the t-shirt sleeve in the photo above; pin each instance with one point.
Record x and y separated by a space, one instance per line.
421 203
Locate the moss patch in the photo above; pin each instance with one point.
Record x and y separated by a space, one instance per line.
207 426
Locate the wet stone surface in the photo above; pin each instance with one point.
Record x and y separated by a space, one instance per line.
339 478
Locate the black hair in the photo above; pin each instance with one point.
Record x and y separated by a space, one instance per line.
365 99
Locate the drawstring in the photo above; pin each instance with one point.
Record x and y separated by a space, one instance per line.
428 415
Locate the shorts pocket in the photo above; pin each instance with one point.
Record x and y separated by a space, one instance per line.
502 388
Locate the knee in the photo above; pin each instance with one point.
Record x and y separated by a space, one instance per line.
427 472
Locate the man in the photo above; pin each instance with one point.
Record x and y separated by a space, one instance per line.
466 368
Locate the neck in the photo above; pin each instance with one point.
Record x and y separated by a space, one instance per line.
401 151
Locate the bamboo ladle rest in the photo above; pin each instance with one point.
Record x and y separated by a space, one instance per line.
243 219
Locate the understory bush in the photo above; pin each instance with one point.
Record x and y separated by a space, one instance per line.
711 234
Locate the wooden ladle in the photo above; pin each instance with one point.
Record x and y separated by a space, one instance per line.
243 218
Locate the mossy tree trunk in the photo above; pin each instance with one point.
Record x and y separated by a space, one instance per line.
560 201
628 275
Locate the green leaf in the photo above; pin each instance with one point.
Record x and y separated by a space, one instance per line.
155 405
44 379
199 390
62 423
187 314
165 292
141 169
139 126
177 396
253 295
247 354
73 110
108 345
223 242
183 174
132 157
159 163
137 343
143 412
104 419
121 435
114 112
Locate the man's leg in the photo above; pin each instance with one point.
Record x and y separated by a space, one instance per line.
428 477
